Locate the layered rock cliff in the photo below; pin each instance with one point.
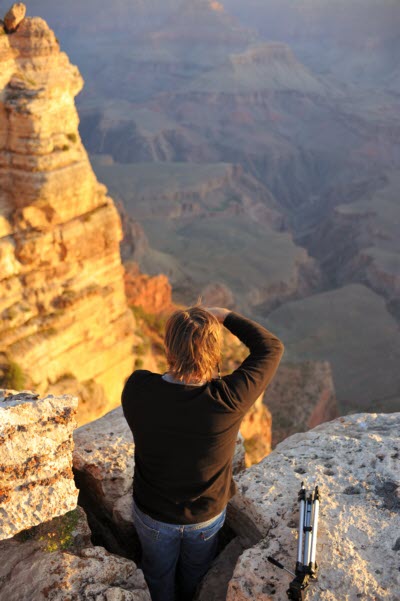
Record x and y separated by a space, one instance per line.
63 309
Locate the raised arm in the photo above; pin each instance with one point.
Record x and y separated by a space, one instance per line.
251 378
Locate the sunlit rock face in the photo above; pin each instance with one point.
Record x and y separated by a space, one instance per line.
355 462
36 479
256 429
153 293
63 308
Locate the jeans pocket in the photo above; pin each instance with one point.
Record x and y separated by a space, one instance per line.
143 529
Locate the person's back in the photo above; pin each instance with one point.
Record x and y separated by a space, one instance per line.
185 424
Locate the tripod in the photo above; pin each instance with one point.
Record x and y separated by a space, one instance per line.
306 566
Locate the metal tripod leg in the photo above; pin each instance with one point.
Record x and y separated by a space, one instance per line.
312 565
302 501
307 530
306 566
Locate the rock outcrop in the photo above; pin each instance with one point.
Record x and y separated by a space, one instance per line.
91 395
14 17
62 300
153 293
36 480
356 462
56 560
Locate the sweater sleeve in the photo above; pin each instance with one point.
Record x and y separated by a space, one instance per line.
250 379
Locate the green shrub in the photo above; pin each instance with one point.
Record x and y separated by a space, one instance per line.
61 537
72 137
13 377
155 322
141 348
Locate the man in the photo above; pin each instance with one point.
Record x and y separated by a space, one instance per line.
185 424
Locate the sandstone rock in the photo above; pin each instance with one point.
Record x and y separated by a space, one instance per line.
63 308
152 293
56 560
300 396
256 429
103 466
35 459
355 461
14 16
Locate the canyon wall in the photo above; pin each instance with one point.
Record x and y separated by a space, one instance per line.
300 396
63 309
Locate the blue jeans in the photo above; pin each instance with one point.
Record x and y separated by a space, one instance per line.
175 557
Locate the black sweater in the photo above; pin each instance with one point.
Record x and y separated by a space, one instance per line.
185 434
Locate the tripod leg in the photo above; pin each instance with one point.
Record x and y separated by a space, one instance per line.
307 529
314 533
302 501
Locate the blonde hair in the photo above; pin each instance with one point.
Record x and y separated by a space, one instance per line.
192 343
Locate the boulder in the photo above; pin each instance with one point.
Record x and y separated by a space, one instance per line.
355 460
14 16
36 479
